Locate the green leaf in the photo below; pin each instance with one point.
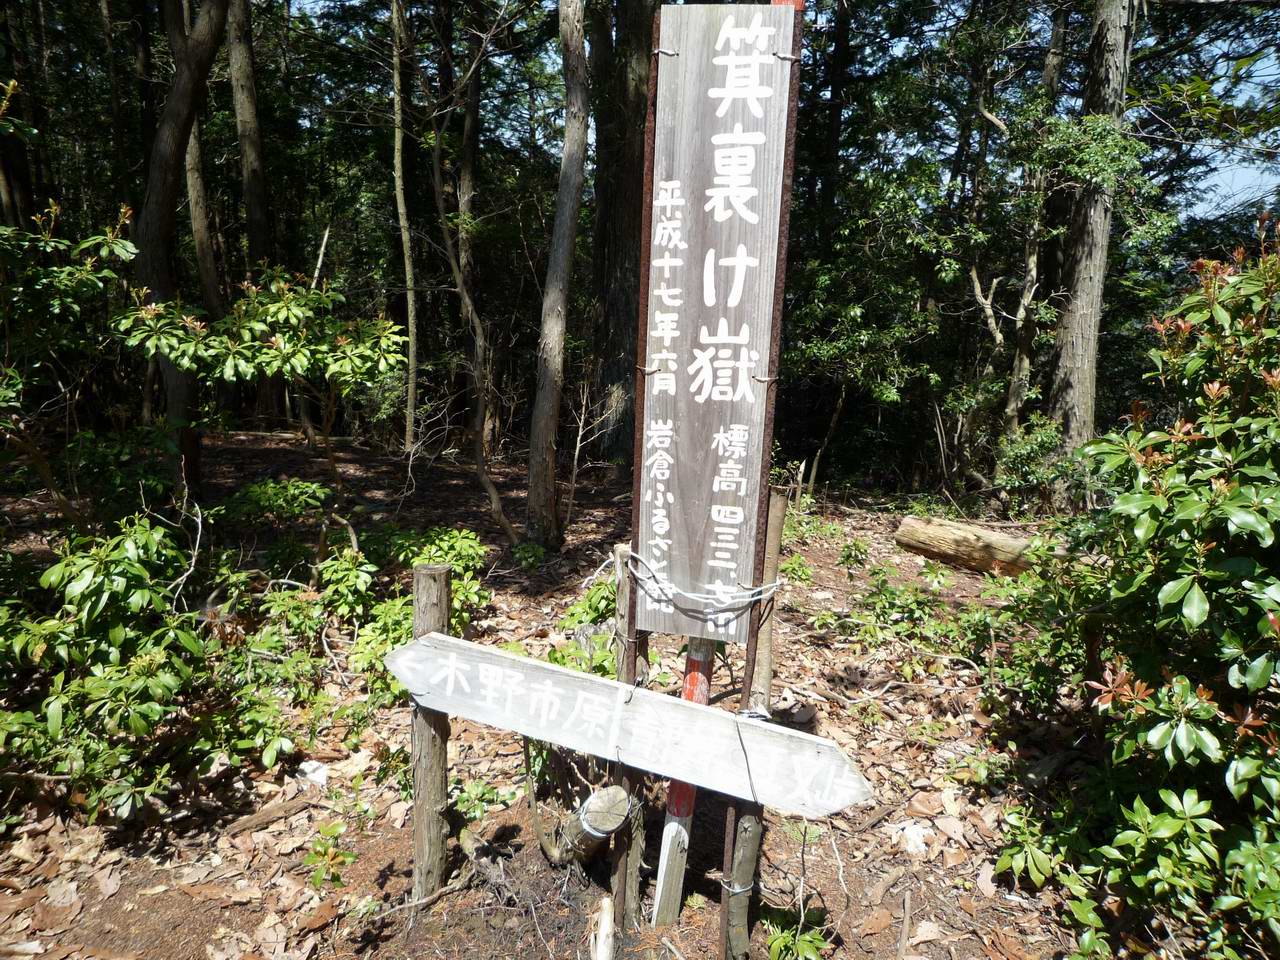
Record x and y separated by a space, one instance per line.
1195 608
1144 527
53 716
1085 912
1159 736
1133 504
1242 519
1240 772
1174 590
1165 826
1209 744
1258 674
1184 737
1190 509
80 583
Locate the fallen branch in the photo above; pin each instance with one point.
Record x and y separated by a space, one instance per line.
460 882
268 814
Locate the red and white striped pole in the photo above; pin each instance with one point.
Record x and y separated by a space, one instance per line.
680 796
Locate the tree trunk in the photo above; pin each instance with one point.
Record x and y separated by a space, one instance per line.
1024 335
140 27
156 227
1071 397
206 256
830 435
622 38
118 137
198 206
544 516
400 33
489 424
253 173
454 251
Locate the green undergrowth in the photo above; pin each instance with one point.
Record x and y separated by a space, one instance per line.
1149 655
148 652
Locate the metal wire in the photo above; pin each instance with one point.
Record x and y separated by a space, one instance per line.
723 600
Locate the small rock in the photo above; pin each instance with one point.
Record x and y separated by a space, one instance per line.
313 771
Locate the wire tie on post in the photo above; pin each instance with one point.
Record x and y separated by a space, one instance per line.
647 370
734 891
763 379
785 56
665 52
668 591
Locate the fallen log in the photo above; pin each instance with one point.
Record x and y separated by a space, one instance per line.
963 545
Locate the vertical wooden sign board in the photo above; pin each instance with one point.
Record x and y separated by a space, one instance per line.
718 175
709 335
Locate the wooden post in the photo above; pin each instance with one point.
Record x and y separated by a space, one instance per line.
431 605
628 843
680 797
744 827
762 675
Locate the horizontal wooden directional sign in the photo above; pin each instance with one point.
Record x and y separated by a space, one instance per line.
792 772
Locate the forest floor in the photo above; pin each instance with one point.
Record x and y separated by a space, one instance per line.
908 875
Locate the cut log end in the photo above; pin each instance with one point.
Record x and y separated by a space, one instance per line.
606 810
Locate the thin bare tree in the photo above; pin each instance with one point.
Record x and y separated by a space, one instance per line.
543 509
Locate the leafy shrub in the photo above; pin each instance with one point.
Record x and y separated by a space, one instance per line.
474 798
346 577
1029 464
327 857
796 569
854 553
1183 605
791 937
286 555
595 654
597 605
282 501
390 625
459 547
468 596
530 556
120 471
116 688
803 523
280 326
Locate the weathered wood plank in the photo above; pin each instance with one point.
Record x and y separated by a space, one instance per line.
793 772
718 175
